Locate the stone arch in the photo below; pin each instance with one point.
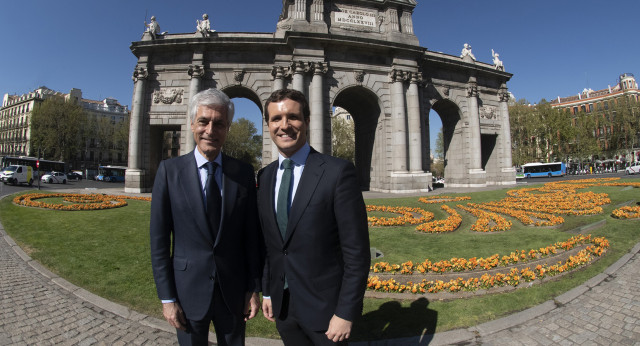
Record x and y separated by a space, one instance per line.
372 66
366 110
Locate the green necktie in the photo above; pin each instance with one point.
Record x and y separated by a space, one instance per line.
282 208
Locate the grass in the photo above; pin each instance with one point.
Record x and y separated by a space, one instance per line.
107 253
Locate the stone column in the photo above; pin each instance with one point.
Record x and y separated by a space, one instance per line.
318 10
300 9
196 72
316 105
399 122
278 74
298 69
505 132
415 133
134 175
475 146
135 127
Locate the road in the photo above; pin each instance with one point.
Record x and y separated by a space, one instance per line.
82 184
93 185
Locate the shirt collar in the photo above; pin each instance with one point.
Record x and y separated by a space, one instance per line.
299 158
201 160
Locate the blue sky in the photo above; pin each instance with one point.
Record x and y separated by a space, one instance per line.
553 48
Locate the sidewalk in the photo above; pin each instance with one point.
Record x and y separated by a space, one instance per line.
38 307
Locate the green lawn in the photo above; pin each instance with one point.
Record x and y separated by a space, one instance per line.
107 253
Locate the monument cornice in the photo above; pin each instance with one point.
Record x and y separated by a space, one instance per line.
334 39
454 62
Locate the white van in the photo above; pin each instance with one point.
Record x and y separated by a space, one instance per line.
17 174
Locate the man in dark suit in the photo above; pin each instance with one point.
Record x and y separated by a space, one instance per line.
314 225
205 236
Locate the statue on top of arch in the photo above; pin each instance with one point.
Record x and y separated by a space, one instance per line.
497 63
466 53
203 27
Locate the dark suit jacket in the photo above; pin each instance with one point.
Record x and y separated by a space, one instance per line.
184 257
325 254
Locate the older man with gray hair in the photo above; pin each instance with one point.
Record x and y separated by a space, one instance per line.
206 244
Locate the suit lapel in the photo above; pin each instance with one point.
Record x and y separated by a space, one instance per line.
311 175
267 195
189 181
229 192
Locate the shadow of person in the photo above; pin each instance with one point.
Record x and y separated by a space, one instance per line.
415 324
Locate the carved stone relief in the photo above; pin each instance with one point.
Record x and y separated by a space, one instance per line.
488 112
168 96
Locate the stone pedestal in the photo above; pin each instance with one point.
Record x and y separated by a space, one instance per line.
134 181
408 183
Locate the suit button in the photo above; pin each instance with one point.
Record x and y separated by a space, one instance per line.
211 277
285 252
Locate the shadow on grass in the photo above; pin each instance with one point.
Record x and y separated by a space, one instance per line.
392 320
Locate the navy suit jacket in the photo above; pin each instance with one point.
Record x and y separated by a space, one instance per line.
184 256
325 254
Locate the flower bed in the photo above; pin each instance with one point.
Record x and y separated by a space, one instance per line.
626 212
514 277
76 201
543 206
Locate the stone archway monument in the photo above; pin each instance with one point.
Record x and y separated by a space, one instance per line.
361 55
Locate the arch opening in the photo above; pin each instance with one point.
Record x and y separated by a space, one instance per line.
364 107
449 114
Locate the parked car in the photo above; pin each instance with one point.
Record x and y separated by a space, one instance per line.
633 169
74 176
54 178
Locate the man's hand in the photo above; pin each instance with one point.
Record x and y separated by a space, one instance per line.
267 309
251 305
339 329
174 315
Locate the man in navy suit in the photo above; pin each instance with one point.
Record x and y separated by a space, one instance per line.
205 236
314 225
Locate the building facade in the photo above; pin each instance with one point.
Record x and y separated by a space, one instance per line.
616 119
106 115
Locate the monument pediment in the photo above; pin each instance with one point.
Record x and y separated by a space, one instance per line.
387 20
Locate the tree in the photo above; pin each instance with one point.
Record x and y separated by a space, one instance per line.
244 143
437 167
343 139
56 128
440 145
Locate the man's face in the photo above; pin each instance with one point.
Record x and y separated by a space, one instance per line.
210 130
287 126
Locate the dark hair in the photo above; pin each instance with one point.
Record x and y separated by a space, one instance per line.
293 95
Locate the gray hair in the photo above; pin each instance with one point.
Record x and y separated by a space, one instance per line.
211 98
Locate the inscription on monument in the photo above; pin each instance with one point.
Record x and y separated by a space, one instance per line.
356 17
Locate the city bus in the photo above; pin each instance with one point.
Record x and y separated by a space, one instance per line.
111 173
45 165
537 169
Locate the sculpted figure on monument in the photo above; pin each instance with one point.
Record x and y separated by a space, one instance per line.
497 63
203 27
285 10
466 52
153 27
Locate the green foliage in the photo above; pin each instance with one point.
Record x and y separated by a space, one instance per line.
343 139
55 128
244 143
